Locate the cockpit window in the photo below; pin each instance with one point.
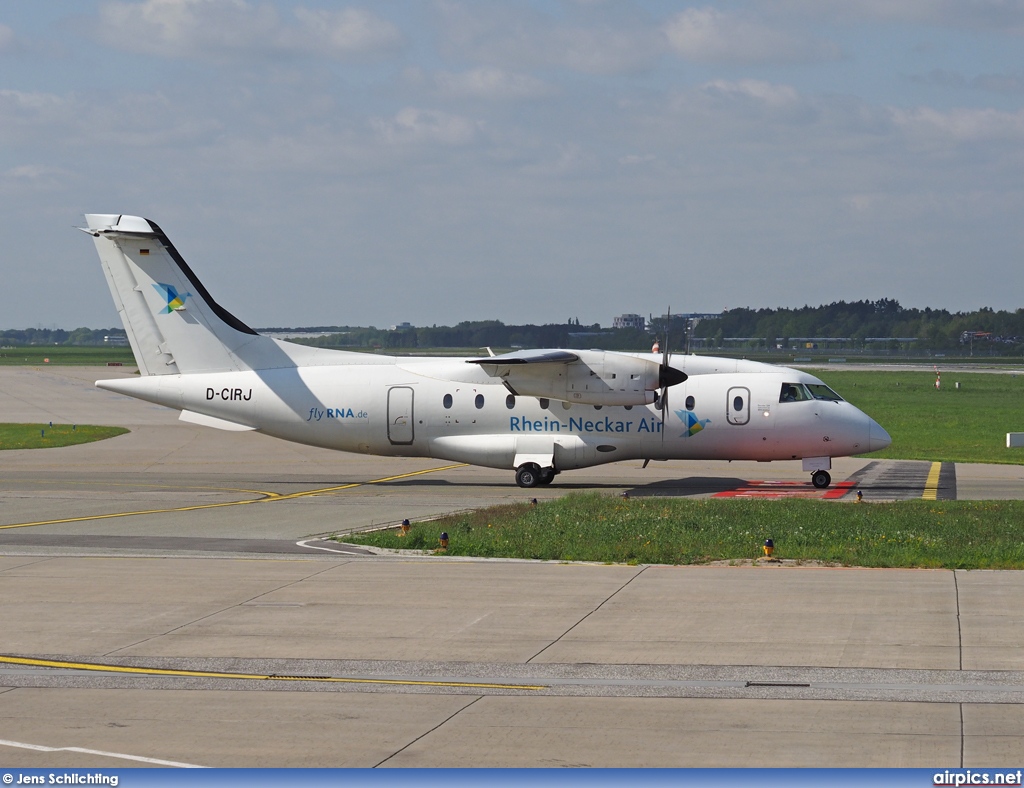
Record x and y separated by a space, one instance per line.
821 391
794 392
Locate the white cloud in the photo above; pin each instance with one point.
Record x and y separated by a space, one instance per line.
24 114
339 33
961 124
71 123
7 39
997 15
761 92
222 29
634 159
709 35
1008 84
34 177
492 84
519 38
415 126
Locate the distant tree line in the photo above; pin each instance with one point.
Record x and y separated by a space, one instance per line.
58 336
479 334
860 322
855 325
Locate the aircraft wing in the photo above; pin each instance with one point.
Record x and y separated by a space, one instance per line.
587 377
528 357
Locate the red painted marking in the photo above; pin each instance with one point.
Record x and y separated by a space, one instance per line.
777 489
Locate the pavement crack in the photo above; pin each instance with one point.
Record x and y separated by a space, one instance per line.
426 733
217 612
962 742
588 615
959 629
33 560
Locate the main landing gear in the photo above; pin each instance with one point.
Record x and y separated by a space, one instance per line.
531 474
821 479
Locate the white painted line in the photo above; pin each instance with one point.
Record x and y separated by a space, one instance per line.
303 543
122 756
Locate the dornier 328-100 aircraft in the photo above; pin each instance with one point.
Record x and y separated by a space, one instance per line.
537 412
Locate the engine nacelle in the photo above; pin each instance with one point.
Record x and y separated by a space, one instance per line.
587 377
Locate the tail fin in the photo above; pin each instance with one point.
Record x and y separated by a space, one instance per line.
173 324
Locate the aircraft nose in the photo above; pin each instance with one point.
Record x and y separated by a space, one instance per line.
878 438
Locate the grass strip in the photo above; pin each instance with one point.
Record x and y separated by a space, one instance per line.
45 436
594 527
949 424
42 355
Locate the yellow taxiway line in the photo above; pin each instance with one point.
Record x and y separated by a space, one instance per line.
99 667
931 485
267 498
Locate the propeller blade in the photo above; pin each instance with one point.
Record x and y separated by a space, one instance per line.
663 372
667 376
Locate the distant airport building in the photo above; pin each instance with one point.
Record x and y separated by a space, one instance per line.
402 327
630 321
692 318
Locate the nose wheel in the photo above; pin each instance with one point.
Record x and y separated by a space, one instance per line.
821 479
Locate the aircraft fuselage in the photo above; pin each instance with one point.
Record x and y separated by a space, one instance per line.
451 410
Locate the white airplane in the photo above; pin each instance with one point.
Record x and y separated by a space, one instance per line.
538 412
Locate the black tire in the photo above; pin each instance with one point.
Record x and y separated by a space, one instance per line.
528 475
821 479
547 475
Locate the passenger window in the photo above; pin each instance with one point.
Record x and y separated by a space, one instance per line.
447 401
821 391
510 401
690 403
479 401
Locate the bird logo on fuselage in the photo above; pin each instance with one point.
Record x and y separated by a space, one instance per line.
692 424
174 300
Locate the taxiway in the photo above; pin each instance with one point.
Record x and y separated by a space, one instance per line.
166 602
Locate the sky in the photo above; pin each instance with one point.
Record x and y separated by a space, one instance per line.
434 161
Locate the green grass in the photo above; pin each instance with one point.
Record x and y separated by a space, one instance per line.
593 527
950 425
43 436
36 355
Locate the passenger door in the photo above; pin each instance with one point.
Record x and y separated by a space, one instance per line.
737 406
400 415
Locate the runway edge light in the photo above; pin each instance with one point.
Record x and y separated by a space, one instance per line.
769 548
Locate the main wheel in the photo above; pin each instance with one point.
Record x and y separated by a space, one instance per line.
821 479
528 475
547 475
